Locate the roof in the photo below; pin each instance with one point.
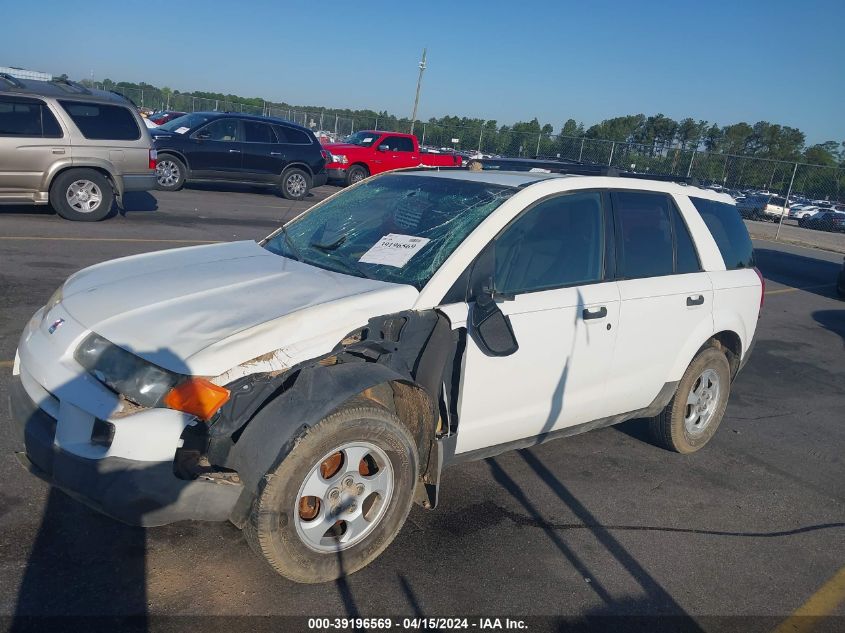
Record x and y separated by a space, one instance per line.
57 89
522 179
254 117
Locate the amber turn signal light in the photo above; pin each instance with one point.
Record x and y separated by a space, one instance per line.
197 396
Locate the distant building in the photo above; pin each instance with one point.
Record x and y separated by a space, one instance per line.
22 73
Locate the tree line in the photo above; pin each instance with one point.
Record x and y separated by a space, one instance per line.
657 134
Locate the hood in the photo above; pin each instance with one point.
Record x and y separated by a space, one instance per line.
203 310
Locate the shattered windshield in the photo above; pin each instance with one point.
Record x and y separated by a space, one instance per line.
364 139
398 228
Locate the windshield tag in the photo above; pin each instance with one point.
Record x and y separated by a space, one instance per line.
181 130
394 249
369 139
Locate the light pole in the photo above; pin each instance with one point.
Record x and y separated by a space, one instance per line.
417 98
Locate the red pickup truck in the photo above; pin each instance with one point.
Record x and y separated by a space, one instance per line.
368 152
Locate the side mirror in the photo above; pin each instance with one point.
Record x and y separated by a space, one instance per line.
203 136
491 329
384 148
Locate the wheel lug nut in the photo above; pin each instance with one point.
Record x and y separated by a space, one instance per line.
360 489
352 508
348 481
334 494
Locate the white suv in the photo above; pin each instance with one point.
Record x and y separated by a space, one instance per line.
310 387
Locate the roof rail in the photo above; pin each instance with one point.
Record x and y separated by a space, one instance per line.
563 166
120 94
17 83
71 86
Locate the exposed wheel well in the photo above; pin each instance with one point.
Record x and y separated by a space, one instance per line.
167 152
302 166
730 343
104 172
362 165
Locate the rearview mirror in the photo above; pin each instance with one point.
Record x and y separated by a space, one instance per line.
491 329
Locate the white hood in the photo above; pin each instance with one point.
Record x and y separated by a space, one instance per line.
206 309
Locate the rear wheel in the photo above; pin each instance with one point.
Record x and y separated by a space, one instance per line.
694 413
295 184
338 499
356 173
84 195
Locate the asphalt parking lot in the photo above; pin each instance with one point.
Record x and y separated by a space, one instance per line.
599 524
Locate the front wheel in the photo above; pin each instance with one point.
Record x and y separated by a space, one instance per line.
84 195
356 173
338 499
694 413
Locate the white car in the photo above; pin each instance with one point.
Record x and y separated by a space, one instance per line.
310 387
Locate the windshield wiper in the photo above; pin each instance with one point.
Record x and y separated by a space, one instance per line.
291 246
329 247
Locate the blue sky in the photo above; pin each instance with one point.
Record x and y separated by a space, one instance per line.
742 60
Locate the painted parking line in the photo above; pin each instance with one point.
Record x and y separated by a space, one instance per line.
822 603
6 363
780 291
105 239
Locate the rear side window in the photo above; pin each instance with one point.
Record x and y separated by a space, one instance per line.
100 122
644 234
292 135
255 132
686 257
20 116
728 231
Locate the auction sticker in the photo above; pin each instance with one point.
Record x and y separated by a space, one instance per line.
394 249
181 130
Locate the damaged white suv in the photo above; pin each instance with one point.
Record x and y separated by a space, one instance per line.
312 386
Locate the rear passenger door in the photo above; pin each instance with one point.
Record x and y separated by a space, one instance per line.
665 296
31 140
264 157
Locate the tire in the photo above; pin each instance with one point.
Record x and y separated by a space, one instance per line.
670 429
170 173
475 165
295 184
276 527
83 195
356 173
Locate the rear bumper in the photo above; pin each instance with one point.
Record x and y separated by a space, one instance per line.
139 182
320 179
134 492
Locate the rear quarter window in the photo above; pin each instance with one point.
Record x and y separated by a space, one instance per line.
101 122
729 232
292 135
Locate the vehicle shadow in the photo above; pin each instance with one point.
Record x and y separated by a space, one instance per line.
236 187
85 571
812 274
135 201
832 320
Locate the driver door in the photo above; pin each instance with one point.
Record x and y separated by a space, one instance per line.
216 151
554 284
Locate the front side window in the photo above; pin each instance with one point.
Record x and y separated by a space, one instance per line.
21 116
398 144
255 132
398 228
220 130
185 122
644 244
102 122
558 243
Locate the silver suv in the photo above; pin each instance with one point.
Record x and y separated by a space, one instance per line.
70 146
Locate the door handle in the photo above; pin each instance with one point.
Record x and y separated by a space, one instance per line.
275 153
594 314
234 151
695 301
58 150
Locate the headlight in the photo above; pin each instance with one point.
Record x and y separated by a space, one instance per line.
54 299
147 384
340 158
140 381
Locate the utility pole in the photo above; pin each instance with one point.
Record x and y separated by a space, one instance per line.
417 98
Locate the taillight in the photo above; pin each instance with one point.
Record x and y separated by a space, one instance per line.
153 158
762 287
327 155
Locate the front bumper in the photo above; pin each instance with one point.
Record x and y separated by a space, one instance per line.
336 173
145 493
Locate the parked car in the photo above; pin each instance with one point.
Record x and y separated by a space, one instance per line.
310 387
763 207
223 147
160 118
369 152
73 147
798 211
824 221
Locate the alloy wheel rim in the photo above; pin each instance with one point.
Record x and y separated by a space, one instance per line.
702 402
167 173
343 497
296 184
84 196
